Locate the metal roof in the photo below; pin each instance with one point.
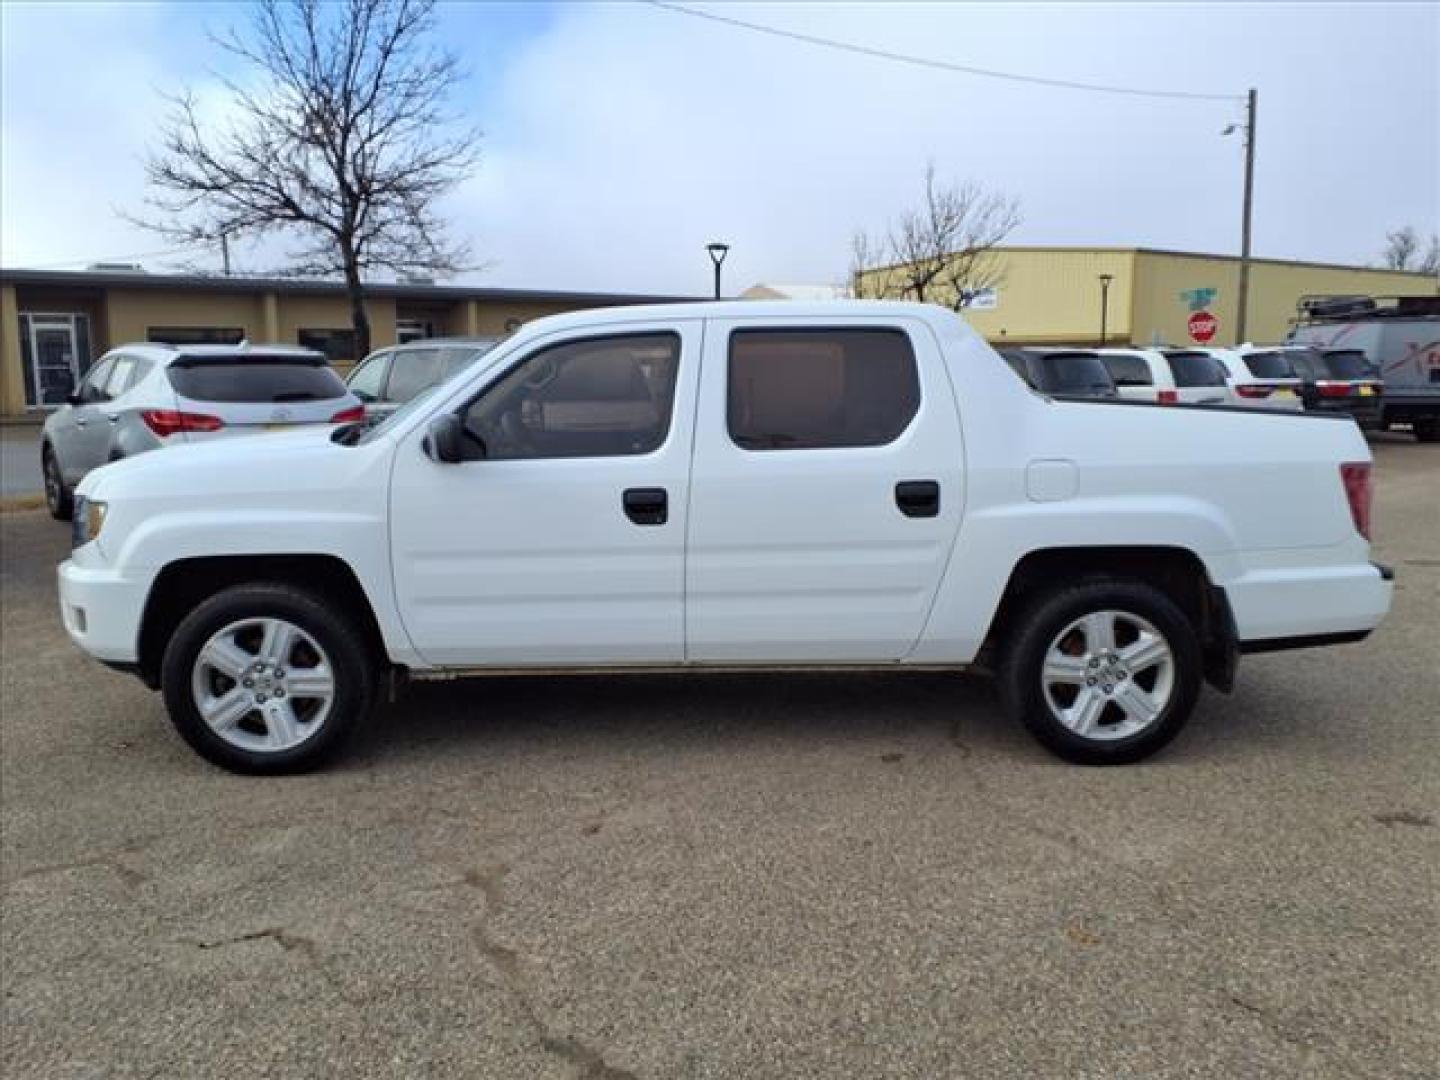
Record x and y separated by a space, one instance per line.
111 279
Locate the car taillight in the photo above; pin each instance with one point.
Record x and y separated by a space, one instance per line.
352 415
165 422
1250 390
1328 388
1355 475
1168 397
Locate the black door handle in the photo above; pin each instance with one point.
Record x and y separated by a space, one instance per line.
918 498
646 506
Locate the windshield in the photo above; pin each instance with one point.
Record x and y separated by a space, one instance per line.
1348 364
1270 365
1075 373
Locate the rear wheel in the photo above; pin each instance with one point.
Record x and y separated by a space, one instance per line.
1427 429
1103 673
59 499
266 679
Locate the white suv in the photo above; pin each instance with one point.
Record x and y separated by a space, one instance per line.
145 396
1166 377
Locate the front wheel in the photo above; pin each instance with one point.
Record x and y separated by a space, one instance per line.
59 499
1102 673
266 678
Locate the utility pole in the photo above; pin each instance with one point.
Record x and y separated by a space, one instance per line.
1243 302
225 252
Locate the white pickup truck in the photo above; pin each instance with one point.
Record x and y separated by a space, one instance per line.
728 485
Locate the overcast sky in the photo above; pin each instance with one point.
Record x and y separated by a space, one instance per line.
620 137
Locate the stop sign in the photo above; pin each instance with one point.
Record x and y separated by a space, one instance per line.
1203 326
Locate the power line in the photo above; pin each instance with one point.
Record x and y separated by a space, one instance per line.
937 65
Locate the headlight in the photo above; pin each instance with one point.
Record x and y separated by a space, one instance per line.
89 519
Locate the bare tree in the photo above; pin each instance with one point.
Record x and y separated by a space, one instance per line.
342 143
1430 261
1401 246
941 252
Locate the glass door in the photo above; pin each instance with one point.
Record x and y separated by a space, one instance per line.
54 358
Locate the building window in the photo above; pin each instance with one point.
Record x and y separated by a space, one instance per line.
799 389
337 345
195 335
407 330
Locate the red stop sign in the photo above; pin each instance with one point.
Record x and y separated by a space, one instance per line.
1203 326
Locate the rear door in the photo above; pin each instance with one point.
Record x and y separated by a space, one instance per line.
1199 377
251 393
826 492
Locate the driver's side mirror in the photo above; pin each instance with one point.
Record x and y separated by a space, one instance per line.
75 397
444 439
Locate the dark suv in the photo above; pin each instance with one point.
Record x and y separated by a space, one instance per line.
1331 380
1062 372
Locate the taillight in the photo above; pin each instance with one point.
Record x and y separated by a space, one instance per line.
352 415
1328 388
1355 475
165 422
1250 390
1168 397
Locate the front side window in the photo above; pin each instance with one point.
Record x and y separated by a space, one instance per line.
600 397
119 380
366 381
93 388
809 389
1129 370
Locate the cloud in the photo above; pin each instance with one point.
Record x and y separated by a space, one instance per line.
620 137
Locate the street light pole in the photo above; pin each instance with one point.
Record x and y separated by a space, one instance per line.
1243 301
717 251
1105 280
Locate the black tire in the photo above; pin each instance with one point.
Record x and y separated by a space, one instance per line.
1427 429
353 664
1023 690
59 499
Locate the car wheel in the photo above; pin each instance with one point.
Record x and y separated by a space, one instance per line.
1102 673
267 679
59 499
1427 430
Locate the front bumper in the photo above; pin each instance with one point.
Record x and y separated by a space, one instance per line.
102 608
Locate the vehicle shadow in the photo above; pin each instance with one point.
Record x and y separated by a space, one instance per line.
515 714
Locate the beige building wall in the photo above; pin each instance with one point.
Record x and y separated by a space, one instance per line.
1161 313
12 376
130 314
1053 296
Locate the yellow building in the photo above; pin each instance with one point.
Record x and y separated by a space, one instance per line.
1054 295
54 324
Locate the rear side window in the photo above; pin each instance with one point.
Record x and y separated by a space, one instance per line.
1075 373
1348 364
255 378
1196 369
805 389
1128 370
1269 365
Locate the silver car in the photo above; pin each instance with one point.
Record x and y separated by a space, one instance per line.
141 397
388 378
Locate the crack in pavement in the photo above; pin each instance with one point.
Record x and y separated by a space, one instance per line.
589 1063
289 942
129 876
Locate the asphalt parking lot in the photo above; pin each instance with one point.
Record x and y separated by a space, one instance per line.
733 876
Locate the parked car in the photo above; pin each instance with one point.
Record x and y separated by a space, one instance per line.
1186 378
763 485
388 378
1246 386
1333 380
1061 372
1400 337
144 396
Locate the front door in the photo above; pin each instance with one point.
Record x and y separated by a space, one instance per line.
54 359
826 494
561 538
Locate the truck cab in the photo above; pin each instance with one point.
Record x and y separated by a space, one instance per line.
698 486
